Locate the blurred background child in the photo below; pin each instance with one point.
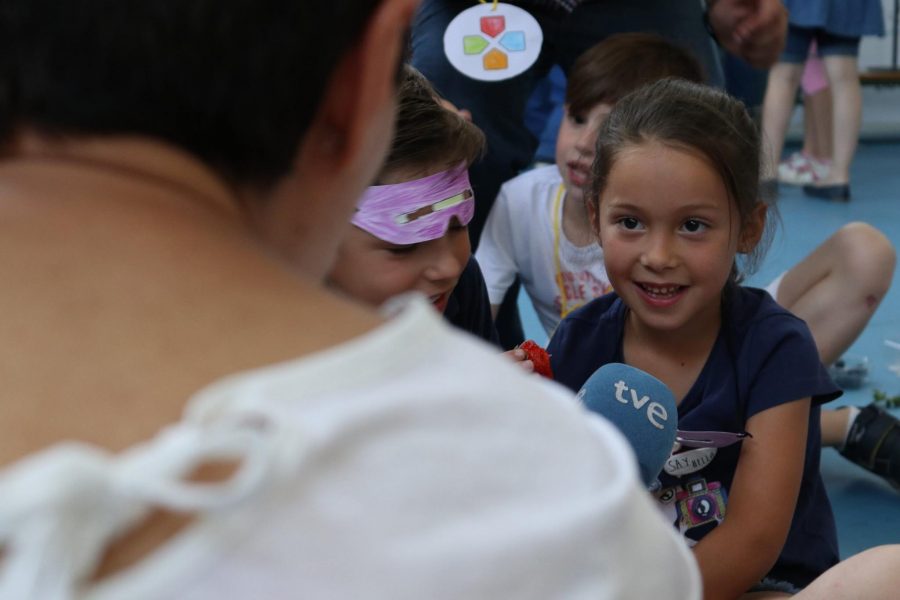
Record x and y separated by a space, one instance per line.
812 161
837 27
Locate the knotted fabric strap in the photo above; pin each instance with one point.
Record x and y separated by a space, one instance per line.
61 507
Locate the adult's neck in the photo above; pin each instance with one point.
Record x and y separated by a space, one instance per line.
138 159
135 279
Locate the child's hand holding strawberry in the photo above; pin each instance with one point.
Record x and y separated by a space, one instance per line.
532 358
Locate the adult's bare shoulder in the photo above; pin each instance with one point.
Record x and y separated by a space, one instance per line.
123 297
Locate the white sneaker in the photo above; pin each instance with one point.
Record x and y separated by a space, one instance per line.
800 169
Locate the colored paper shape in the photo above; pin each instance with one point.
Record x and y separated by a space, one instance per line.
513 41
474 44
495 60
493 25
465 37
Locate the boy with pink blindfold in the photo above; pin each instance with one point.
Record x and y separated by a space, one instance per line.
409 230
417 211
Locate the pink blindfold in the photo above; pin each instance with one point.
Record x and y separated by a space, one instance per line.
416 211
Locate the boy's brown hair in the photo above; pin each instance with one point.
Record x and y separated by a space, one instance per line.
428 133
624 62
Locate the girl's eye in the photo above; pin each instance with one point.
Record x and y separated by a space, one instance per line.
694 226
629 223
577 119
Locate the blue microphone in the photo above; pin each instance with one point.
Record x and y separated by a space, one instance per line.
641 407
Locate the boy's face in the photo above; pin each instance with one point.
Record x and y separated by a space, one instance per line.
373 270
575 147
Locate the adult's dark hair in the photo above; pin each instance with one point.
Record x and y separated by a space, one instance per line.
428 134
694 118
235 82
624 62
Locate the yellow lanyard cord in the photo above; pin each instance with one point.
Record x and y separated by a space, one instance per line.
557 261
495 3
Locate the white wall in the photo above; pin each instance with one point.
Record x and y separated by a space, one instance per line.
876 51
881 104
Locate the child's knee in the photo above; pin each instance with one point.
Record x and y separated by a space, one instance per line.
867 259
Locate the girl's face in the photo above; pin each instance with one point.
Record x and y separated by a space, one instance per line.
575 147
373 270
670 234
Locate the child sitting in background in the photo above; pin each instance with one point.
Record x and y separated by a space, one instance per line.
538 230
410 230
735 360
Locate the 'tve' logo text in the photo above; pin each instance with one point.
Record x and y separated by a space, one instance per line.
656 412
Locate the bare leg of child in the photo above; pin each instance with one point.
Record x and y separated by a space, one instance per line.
836 290
873 574
837 287
784 79
843 76
817 125
834 426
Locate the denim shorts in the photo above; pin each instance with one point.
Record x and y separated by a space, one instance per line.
770 584
796 48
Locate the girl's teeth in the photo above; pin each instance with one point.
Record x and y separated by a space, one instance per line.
661 291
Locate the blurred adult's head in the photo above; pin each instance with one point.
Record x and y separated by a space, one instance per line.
234 82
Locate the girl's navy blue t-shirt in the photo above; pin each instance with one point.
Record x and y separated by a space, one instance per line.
764 356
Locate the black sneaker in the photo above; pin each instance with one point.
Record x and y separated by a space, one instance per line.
839 192
874 443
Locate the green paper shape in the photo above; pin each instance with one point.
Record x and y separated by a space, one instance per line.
474 44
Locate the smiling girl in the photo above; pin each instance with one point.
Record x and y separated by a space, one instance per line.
675 205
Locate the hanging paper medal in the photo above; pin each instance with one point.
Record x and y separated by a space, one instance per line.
493 41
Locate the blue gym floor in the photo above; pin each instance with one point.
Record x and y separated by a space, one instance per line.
866 508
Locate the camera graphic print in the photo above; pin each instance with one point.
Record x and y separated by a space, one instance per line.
493 42
699 503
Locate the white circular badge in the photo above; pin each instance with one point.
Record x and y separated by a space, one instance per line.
493 45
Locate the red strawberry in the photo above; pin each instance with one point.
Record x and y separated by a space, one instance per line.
539 357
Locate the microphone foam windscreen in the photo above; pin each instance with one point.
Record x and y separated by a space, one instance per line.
641 406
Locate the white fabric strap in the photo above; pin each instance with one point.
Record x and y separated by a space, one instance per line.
62 506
